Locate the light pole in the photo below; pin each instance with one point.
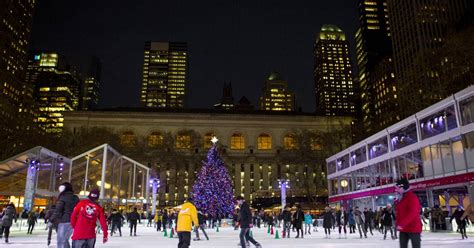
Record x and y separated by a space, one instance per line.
283 184
154 184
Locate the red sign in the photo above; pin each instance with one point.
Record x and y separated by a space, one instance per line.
463 178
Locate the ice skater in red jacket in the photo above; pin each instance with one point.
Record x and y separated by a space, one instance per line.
84 219
408 215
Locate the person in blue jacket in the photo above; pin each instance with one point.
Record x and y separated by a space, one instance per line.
308 222
352 222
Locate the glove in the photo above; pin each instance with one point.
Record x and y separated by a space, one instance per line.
105 239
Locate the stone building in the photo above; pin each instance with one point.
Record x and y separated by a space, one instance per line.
258 147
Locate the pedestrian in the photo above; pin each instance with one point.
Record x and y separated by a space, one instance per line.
83 221
32 220
351 222
67 200
341 220
298 217
387 220
8 215
328 222
187 216
50 224
460 221
117 219
360 221
245 220
202 225
133 218
308 221
286 217
408 215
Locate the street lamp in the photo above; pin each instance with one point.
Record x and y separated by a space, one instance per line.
283 184
154 184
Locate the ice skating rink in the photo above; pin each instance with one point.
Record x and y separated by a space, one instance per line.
227 237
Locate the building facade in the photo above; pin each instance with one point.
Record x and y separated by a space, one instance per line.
165 73
257 148
276 96
16 97
91 87
433 148
333 76
57 89
418 28
378 90
227 100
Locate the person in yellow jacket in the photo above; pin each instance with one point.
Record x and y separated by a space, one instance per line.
186 217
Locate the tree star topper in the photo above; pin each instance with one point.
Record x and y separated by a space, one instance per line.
214 140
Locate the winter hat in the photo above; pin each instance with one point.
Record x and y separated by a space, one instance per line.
94 194
65 187
403 182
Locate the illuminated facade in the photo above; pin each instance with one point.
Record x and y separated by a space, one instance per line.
91 86
16 97
434 149
57 89
378 90
418 27
165 72
333 73
276 96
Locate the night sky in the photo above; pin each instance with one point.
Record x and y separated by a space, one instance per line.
233 40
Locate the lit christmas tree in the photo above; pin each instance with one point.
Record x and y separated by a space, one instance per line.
213 192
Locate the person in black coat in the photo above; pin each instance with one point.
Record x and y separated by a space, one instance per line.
202 224
342 220
461 222
298 217
165 219
66 203
245 220
286 217
328 222
388 216
117 219
133 218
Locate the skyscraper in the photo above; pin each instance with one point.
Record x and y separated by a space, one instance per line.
419 29
378 90
276 96
227 100
16 99
56 89
91 87
333 73
165 71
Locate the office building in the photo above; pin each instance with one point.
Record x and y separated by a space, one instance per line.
276 96
91 87
333 76
165 72
227 100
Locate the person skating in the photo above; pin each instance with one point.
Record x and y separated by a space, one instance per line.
408 219
8 216
328 222
360 221
67 200
369 217
158 220
298 218
341 220
469 213
286 217
186 218
351 222
165 219
50 224
308 222
133 219
150 219
245 220
460 221
83 221
32 220
116 219
202 225
387 220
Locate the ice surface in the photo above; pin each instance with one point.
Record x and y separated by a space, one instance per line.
227 237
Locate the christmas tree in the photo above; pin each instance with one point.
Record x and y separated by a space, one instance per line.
212 191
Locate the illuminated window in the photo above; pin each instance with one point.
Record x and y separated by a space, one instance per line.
155 139
207 140
128 139
264 142
289 142
315 145
183 141
237 141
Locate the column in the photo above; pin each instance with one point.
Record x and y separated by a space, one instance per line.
30 189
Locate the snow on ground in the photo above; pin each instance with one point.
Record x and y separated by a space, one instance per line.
227 237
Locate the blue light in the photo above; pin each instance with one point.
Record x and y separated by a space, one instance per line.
37 57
